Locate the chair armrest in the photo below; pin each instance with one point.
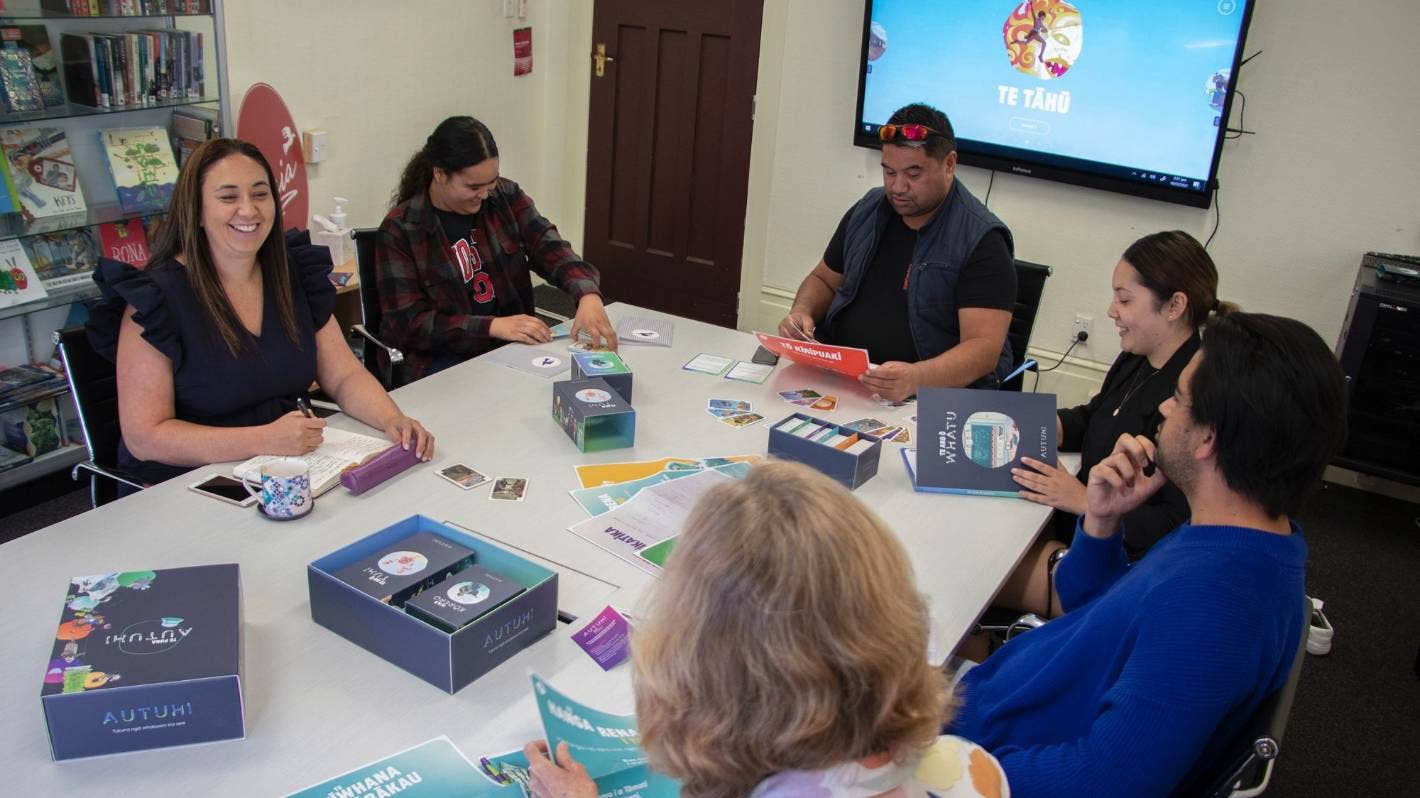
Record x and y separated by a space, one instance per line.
396 357
89 465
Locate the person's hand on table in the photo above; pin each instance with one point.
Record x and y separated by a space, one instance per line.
410 434
893 380
1051 485
1118 485
294 433
797 325
591 319
563 779
522 328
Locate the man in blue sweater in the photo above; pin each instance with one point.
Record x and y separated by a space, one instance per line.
1156 665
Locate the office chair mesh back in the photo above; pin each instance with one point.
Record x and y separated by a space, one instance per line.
1030 286
93 382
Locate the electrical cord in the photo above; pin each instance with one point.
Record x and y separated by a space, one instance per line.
1218 215
1080 338
989 184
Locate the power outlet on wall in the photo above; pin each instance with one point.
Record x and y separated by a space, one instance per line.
1082 325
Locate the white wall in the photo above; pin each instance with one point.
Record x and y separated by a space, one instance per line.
378 76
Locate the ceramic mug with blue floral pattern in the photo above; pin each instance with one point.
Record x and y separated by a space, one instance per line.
285 488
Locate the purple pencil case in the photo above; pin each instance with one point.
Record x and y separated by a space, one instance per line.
378 469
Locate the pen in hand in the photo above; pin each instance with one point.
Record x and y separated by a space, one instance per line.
304 405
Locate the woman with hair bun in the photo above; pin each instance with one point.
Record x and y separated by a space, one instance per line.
785 654
1165 287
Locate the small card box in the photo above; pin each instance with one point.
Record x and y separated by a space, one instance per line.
146 659
593 415
608 366
449 661
405 567
462 598
851 466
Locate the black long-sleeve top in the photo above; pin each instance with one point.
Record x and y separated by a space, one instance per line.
1134 389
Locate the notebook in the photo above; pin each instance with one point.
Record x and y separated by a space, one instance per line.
340 450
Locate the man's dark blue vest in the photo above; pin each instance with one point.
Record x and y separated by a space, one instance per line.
944 245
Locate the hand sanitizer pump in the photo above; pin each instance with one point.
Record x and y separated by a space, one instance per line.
332 232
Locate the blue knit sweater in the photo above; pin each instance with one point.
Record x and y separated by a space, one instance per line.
1153 666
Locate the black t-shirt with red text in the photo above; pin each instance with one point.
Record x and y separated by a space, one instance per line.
470 252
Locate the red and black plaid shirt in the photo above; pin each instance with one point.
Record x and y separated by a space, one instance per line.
428 306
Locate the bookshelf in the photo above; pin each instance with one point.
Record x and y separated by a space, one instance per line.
26 329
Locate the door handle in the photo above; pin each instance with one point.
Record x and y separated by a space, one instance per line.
600 59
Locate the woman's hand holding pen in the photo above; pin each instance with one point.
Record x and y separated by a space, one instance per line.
295 433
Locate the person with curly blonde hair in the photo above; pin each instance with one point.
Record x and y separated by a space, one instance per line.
785 653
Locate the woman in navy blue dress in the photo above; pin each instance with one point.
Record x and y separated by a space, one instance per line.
216 339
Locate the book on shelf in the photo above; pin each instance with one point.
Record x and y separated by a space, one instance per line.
338 451
18 281
34 429
140 161
24 382
969 440
193 125
9 458
126 242
133 68
62 259
9 197
42 167
19 85
33 40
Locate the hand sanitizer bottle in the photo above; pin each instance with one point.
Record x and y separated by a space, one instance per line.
332 233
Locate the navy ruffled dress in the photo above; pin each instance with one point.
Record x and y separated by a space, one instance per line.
210 385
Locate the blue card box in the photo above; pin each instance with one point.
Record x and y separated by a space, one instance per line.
851 470
607 365
146 659
447 661
593 414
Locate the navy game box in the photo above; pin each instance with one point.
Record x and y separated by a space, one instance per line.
449 661
146 659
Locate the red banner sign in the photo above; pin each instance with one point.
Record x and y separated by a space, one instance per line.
845 360
264 121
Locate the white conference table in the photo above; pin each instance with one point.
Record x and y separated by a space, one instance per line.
317 705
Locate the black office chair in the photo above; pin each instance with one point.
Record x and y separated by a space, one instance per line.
94 386
382 360
1030 285
1246 765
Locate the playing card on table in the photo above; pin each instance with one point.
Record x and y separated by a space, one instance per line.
545 363
644 330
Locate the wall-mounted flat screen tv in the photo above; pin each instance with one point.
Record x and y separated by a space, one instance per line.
1123 95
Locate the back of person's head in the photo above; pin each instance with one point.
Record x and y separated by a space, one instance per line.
1173 262
1275 397
456 144
939 146
180 235
786 633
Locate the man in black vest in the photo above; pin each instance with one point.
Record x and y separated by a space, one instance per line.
919 272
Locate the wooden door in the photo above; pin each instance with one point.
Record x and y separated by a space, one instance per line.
668 152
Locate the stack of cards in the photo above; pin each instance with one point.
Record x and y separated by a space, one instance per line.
643 330
841 438
808 397
749 372
462 475
734 412
405 567
706 363
509 489
888 432
462 598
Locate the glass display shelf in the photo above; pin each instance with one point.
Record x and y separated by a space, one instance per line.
72 110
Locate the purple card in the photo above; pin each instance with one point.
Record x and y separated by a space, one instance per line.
607 639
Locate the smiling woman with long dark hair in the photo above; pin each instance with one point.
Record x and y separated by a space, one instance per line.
226 327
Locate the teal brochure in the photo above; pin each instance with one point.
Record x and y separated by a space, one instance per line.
607 745
435 769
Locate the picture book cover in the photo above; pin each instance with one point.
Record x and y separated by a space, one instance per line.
34 40
133 628
969 440
141 162
62 259
42 167
19 283
846 360
126 242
